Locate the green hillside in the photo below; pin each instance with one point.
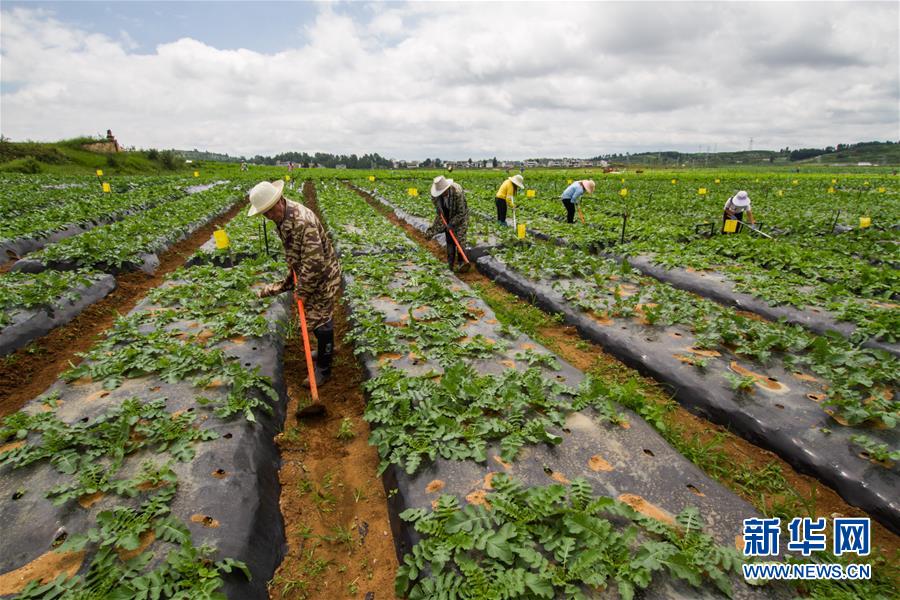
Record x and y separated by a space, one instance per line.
873 152
877 153
69 157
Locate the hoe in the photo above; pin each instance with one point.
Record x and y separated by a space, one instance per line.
453 235
313 388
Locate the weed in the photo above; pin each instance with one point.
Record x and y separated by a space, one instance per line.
353 587
345 432
292 434
340 535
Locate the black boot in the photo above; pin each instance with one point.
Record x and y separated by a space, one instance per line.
451 252
325 341
322 370
325 353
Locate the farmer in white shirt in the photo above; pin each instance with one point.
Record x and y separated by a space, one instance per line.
735 207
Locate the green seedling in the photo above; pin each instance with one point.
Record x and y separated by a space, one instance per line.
345 432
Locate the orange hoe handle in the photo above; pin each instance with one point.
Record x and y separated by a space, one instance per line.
313 388
452 235
581 215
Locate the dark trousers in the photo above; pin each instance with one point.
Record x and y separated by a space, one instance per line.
452 252
570 210
501 210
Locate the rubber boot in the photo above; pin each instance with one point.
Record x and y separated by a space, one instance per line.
451 252
324 354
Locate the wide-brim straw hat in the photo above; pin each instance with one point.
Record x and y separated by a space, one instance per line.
588 185
741 199
518 181
264 195
440 185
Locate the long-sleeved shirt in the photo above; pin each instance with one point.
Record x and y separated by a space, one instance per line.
309 254
573 192
452 204
507 191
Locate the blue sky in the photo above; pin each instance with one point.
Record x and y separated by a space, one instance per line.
452 80
263 26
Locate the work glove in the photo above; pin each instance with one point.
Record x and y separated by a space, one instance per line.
268 290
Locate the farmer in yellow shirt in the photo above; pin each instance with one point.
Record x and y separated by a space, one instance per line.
506 196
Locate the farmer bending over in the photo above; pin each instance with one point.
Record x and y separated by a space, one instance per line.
573 193
311 257
735 207
449 203
506 196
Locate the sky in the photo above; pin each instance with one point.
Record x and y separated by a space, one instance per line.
452 80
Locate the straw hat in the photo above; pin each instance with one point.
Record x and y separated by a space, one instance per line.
263 196
518 181
741 199
588 185
440 185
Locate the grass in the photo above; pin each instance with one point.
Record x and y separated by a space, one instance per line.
340 535
67 157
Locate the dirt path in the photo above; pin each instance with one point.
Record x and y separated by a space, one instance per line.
27 372
332 498
759 476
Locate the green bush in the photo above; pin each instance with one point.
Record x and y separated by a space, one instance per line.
28 165
168 159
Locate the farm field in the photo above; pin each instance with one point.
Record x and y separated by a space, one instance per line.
590 411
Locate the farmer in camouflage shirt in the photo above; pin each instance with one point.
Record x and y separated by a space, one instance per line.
311 256
449 201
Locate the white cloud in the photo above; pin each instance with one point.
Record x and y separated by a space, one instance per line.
459 80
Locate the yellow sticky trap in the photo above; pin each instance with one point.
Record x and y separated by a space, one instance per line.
730 226
881 190
830 190
623 192
529 193
780 193
99 172
196 173
371 178
833 181
702 191
794 182
865 222
221 239
106 188
569 181
866 183
674 181
520 231
287 177
412 191
718 181
623 180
